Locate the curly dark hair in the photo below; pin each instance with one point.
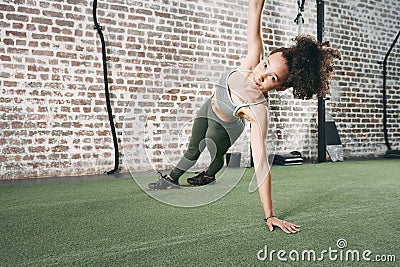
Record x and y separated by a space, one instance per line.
310 65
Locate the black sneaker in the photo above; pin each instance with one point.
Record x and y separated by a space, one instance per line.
163 183
201 179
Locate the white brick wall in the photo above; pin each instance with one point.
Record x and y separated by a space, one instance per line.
163 57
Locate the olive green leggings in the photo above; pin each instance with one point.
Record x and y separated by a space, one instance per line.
209 131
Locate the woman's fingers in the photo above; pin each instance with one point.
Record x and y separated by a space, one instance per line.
285 229
290 227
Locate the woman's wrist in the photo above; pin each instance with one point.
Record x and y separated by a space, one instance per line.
268 212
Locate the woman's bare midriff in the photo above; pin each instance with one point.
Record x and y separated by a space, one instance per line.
218 112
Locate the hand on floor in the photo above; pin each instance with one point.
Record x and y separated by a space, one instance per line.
287 227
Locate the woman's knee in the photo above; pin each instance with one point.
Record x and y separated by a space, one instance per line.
193 152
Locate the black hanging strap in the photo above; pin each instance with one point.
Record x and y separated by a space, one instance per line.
107 93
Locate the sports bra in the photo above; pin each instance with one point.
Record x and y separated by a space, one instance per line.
223 96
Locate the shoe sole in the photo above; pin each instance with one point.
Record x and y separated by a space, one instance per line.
167 188
213 182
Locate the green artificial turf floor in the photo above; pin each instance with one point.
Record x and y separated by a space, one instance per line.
113 222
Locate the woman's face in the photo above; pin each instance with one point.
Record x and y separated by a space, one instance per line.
271 73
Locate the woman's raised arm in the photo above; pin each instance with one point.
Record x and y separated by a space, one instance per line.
255 48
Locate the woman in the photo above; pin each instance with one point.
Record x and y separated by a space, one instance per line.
242 95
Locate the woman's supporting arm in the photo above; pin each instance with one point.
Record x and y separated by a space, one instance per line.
258 117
